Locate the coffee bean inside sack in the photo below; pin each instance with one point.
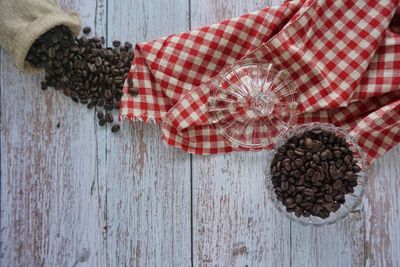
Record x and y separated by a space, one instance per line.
83 70
312 173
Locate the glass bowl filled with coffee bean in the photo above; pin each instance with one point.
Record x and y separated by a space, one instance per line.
317 175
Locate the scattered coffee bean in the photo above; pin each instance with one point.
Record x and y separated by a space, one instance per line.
100 115
133 91
115 128
128 45
82 68
86 30
312 172
116 43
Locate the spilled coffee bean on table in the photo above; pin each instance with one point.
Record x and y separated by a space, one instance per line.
83 69
312 173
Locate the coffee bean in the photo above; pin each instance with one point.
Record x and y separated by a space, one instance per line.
128 45
300 181
100 115
291 155
339 197
75 98
326 154
309 156
115 128
308 192
292 146
298 198
337 184
316 178
116 43
43 85
308 143
109 118
133 91
102 122
316 159
289 201
86 30
299 152
299 162
285 186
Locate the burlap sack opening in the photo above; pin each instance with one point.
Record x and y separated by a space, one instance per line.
24 21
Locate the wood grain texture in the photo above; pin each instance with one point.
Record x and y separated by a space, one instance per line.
382 212
148 184
77 195
341 244
234 224
48 215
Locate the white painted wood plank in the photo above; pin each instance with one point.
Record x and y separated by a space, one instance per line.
148 184
234 224
51 207
382 209
341 244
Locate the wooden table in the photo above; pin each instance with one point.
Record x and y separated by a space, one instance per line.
74 194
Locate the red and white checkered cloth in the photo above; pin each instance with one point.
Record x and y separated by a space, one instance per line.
344 57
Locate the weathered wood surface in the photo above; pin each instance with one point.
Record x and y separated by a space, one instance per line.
234 223
77 195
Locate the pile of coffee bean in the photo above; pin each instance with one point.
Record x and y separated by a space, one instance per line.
312 172
83 69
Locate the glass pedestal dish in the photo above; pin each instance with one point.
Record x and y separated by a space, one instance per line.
254 104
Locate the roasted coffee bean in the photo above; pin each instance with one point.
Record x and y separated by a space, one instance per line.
292 146
115 128
109 118
299 152
298 198
299 163
133 91
289 201
100 115
308 192
116 43
337 184
316 159
43 85
128 45
285 186
82 68
326 154
313 172
86 30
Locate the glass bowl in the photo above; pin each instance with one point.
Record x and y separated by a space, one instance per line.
252 104
352 200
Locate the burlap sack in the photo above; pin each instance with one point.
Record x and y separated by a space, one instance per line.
23 21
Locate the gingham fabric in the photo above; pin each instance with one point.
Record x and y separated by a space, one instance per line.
344 57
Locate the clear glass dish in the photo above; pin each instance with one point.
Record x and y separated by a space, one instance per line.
252 104
352 200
